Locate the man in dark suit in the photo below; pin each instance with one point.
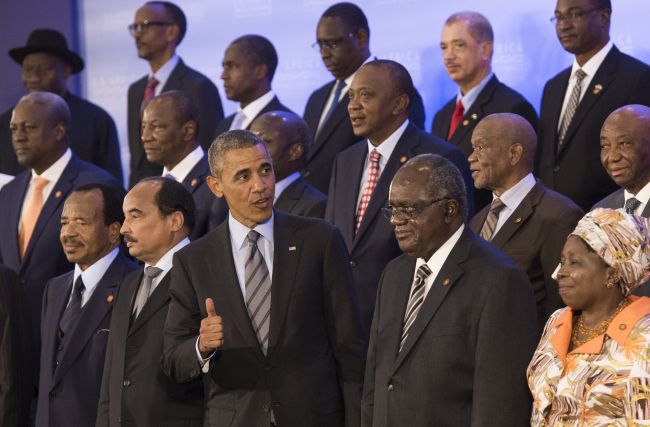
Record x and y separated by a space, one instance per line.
16 353
77 307
379 98
577 101
289 350
467 47
287 138
454 327
343 41
47 63
159 215
31 204
170 123
525 220
159 27
249 64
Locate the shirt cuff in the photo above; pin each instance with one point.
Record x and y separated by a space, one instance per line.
204 363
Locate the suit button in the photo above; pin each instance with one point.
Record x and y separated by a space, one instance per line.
52 394
266 408
556 169
353 263
268 367
126 383
390 387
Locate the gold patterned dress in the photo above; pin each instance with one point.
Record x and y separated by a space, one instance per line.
604 382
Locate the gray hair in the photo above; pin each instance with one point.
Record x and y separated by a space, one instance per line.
479 26
56 108
444 180
228 141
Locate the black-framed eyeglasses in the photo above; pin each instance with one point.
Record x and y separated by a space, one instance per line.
330 45
137 27
408 212
573 16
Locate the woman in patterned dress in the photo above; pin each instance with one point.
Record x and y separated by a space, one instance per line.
592 364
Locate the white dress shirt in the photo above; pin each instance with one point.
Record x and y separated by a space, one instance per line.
512 198
92 275
471 95
165 263
162 75
437 260
253 109
185 166
642 196
282 185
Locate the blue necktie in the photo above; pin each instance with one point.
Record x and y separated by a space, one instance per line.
340 84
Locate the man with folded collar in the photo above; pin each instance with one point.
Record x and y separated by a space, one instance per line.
77 307
170 125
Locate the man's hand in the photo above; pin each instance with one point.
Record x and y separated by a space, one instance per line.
211 332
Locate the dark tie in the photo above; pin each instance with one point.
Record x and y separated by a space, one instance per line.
456 117
338 88
490 223
631 205
416 298
73 310
572 105
144 290
258 291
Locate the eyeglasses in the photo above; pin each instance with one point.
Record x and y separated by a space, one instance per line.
407 212
330 45
572 17
138 27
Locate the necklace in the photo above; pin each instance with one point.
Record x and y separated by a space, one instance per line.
587 334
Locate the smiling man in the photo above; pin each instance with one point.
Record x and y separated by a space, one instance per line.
577 101
77 307
454 326
265 305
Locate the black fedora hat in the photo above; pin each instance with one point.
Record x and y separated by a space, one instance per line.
48 41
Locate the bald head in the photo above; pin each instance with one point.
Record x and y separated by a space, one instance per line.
287 138
625 147
503 151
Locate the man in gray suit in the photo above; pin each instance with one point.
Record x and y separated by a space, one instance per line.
287 137
526 220
454 324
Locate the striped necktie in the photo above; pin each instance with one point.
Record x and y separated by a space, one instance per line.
490 224
572 106
258 291
631 205
415 301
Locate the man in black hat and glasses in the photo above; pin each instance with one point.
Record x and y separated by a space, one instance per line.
47 63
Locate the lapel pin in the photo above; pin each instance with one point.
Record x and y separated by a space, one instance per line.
193 183
110 298
465 122
597 89
292 248
58 194
446 282
518 220
474 116
403 159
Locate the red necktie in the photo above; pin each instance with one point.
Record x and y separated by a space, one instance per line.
455 119
369 188
150 90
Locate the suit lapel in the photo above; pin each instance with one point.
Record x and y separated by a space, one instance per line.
519 216
175 79
646 211
354 163
158 298
444 281
556 99
475 113
291 195
196 176
287 248
14 216
399 299
340 113
57 304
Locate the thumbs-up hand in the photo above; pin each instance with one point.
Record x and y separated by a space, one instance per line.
211 331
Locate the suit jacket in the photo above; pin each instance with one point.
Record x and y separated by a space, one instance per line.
16 353
92 133
274 105
301 199
337 134
494 98
210 210
311 375
206 98
374 244
135 391
44 258
533 236
70 380
575 170
464 360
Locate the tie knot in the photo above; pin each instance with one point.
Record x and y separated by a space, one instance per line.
39 183
252 237
374 156
78 285
459 105
631 205
497 205
580 74
152 82
152 272
423 272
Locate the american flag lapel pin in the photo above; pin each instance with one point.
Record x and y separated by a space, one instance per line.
292 248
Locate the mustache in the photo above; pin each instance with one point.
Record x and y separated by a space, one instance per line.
69 240
128 238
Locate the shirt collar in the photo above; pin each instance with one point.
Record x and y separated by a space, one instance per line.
438 258
254 108
513 196
54 172
643 195
165 262
282 185
348 80
388 145
185 166
591 66
165 71
93 274
471 95
239 232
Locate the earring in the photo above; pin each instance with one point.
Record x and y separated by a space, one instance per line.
610 285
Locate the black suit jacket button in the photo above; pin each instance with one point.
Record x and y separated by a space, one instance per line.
268 367
556 169
353 263
390 387
126 383
52 394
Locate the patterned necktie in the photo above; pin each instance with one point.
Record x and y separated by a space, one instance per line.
338 88
73 310
456 117
238 120
144 291
416 298
369 188
571 107
490 223
258 291
631 205
150 90
30 214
